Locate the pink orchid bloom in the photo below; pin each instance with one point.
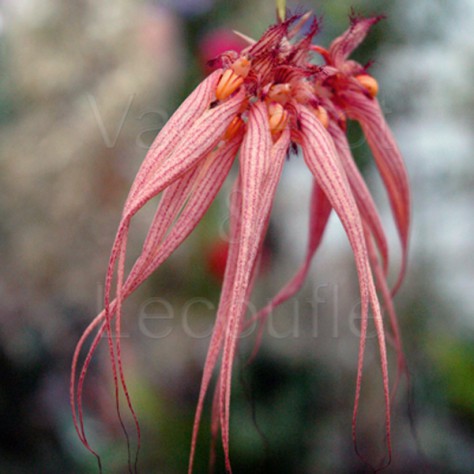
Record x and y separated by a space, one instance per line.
258 105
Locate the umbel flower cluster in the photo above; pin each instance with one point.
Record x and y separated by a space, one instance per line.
274 96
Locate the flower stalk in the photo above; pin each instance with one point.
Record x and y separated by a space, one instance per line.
281 9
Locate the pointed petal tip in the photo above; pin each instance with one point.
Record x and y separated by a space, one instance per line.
356 17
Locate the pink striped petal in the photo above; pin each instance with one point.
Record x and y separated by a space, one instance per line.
382 285
208 183
321 158
188 112
259 176
389 162
215 345
271 172
195 144
209 178
362 195
254 156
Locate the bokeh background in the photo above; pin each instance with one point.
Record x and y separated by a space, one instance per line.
84 88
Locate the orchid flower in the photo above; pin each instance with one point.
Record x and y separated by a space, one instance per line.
257 106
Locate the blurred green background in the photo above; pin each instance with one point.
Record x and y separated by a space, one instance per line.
84 88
